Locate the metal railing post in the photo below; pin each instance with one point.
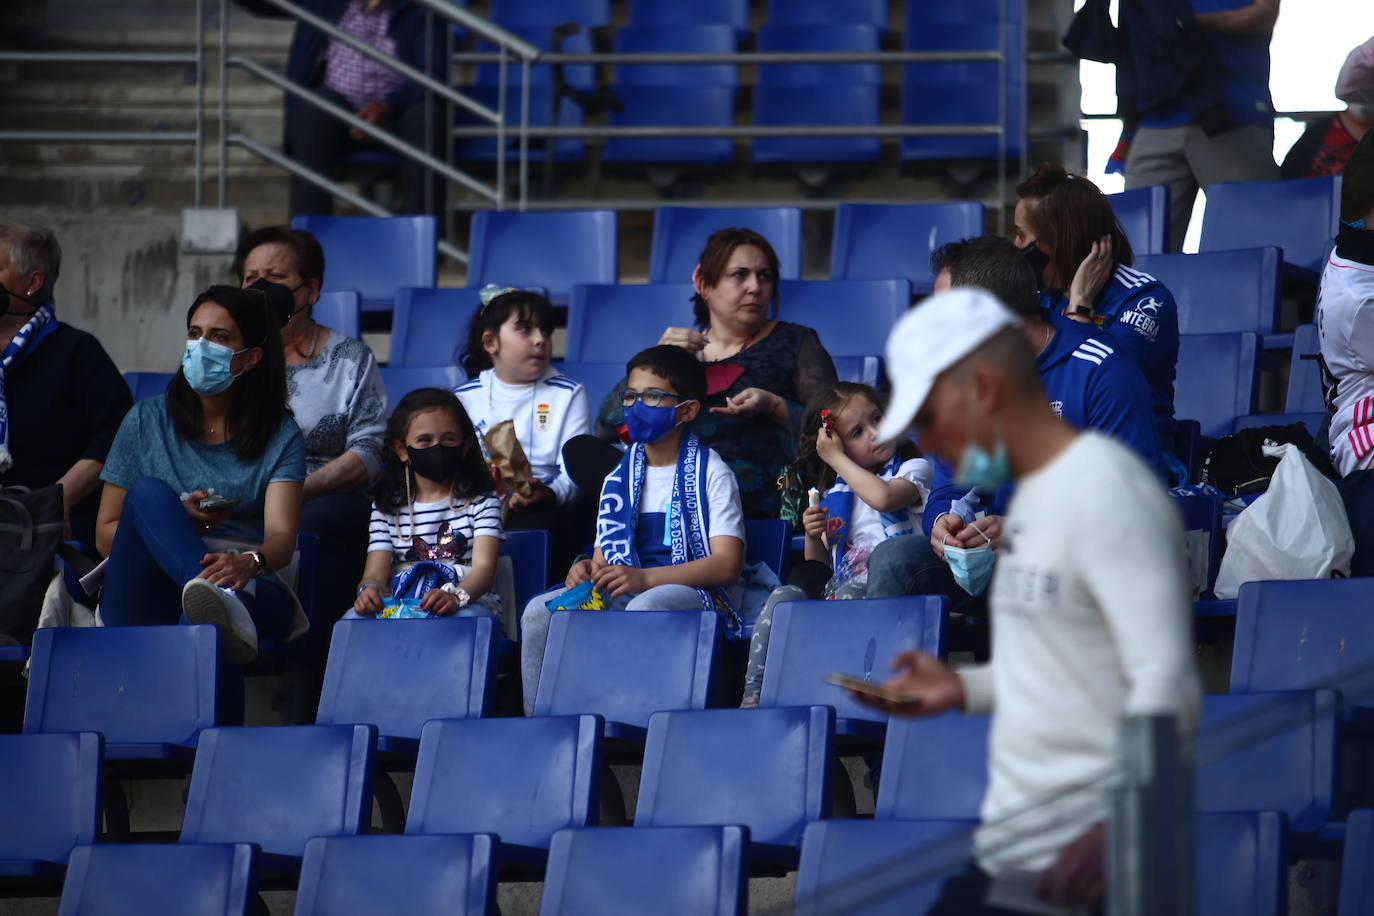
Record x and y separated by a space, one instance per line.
223 103
525 134
1002 115
199 195
1150 826
501 132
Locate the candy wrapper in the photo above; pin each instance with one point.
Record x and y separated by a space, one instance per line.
582 597
851 576
511 469
401 609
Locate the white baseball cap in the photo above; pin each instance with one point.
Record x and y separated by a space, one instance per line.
1355 83
929 339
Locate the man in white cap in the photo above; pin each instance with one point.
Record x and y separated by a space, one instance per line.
1090 603
1325 147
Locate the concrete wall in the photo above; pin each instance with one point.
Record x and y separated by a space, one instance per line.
125 280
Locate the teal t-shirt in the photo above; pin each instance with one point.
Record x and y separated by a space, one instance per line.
147 445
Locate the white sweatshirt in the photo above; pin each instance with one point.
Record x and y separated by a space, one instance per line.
1091 620
1345 326
547 413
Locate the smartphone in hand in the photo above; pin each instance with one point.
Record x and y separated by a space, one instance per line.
214 503
858 685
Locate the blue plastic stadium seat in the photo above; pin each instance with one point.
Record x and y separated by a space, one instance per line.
1357 878
365 875
549 13
529 556
612 322
374 255
401 380
1220 292
1144 216
545 110
51 804
967 92
278 787
340 310
1302 635
148 690
1269 752
575 246
765 769
397 675
880 241
626 665
582 76
852 317
1313 422
768 540
1244 214
1216 380
933 769
627 871
866 370
537 776
429 326
600 379
680 234
679 95
143 385
878 868
811 639
191 879
1238 864
1200 509
656 14
828 12
827 94
1305 393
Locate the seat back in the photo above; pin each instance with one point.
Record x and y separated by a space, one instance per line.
397 677
852 317
375 255
866 370
134 685
1216 380
1200 508
600 379
401 380
626 871
278 787
768 541
340 310
1302 635
1357 878
934 769
1269 752
879 241
818 37
143 385
878 868
810 639
713 38
659 15
53 800
1219 292
1144 216
523 14
828 12
672 106
537 776
357 875
1238 863
430 325
610 323
209 879
575 246
1241 214
765 769
680 234
1305 394
627 665
529 557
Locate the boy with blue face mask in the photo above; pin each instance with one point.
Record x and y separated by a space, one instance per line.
1090 601
669 530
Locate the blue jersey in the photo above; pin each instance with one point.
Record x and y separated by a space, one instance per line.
1136 314
1091 385
1245 85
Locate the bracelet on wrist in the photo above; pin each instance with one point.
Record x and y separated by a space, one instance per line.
458 592
364 587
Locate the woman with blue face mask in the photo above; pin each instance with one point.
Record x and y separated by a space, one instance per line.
202 495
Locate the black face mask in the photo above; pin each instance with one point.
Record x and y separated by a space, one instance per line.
438 463
1038 261
281 299
5 306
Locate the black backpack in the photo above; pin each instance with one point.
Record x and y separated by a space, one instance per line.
1237 464
30 533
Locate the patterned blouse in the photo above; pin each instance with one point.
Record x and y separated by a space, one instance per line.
791 363
339 402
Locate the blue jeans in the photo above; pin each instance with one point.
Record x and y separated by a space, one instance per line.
907 565
1357 492
340 521
156 551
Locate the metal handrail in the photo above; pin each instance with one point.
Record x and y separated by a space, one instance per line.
756 130
749 57
483 28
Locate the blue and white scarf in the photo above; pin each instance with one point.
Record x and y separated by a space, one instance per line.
43 323
839 499
689 517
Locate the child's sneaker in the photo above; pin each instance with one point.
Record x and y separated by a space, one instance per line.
203 602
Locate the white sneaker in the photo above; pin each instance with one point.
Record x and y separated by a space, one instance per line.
203 602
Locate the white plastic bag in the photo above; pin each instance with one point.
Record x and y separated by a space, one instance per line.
1296 530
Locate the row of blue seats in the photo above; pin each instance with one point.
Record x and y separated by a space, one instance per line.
547 14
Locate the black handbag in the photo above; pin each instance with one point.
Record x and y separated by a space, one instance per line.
31 527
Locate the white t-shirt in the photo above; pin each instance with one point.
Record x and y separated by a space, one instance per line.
1345 325
865 522
722 496
468 518
1091 620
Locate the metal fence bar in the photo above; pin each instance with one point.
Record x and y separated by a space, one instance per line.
525 135
223 103
130 137
97 57
501 132
483 28
200 105
768 130
645 204
352 120
748 57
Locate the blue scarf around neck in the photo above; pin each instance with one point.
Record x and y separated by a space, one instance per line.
43 323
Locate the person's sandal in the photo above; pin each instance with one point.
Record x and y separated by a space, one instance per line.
749 703
203 602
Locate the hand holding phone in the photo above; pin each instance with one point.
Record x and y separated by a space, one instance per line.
215 503
868 688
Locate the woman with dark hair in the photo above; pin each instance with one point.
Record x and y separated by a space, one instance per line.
1066 229
760 370
202 490
336 394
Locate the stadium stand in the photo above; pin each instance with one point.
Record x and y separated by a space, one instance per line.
401 380
344 876
1216 380
653 14
53 805
873 241
680 234
196 879
821 12
1240 215
614 322
1305 394
143 385
429 326
849 315
1357 879
1144 216
1221 292
340 310
576 247
374 256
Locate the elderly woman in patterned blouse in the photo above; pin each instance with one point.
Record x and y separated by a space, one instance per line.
336 394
